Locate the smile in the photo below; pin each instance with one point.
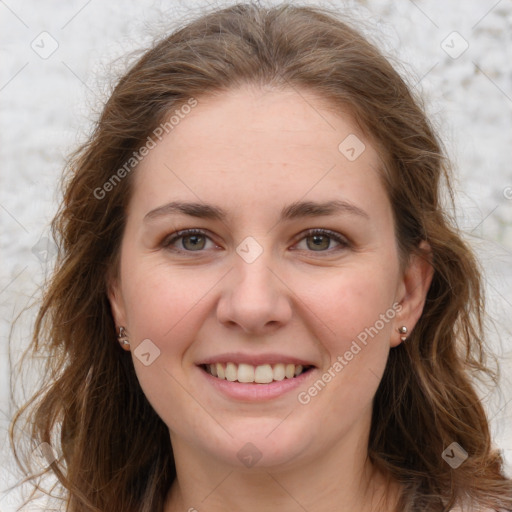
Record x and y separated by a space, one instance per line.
261 374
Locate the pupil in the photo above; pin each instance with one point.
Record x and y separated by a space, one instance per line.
195 239
317 241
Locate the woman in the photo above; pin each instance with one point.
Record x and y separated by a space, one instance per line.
259 302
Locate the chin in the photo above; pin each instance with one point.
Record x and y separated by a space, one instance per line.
263 443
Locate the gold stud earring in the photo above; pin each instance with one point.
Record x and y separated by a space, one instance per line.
122 337
403 331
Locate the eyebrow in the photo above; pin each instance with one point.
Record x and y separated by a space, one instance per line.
295 210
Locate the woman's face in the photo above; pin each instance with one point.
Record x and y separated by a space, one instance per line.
253 170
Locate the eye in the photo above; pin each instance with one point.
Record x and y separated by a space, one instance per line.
193 240
320 240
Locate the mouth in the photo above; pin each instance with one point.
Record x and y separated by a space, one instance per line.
250 374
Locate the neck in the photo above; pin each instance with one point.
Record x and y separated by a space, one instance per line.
342 478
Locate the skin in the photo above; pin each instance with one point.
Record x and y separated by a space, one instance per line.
253 151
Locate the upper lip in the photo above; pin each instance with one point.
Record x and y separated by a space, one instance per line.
254 359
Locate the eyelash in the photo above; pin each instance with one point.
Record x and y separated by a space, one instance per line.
169 240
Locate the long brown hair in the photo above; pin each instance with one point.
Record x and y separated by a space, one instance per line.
114 452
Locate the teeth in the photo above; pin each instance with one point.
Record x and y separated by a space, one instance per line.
231 372
279 372
220 371
289 371
263 374
247 373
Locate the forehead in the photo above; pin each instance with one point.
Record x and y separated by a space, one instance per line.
260 147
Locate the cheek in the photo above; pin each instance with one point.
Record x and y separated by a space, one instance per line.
164 307
352 301
160 300
359 313
357 321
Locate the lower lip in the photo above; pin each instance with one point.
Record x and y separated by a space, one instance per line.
253 391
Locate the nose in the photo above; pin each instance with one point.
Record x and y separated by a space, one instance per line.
254 298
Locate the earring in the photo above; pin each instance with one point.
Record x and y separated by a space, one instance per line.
122 337
403 331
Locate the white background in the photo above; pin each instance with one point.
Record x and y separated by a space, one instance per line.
47 105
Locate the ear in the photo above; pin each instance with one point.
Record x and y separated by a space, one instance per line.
115 298
412 290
